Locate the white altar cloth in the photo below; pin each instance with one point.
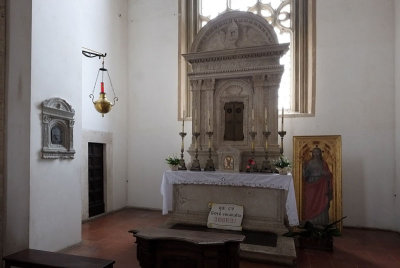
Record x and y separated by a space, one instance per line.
275 181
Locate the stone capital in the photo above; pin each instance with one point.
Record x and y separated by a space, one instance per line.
209 84
258 80
196 84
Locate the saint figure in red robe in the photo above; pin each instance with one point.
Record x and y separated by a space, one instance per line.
317 187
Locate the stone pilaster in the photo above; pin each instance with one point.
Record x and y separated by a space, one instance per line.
2 115
208 90
259 104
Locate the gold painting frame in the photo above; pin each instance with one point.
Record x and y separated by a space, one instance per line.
331 147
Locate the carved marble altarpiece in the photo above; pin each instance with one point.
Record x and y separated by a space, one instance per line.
234 79
57 129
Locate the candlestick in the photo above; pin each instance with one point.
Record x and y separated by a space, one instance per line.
195 121
252 119
283 113
266 165
252 165
266 119
282 134
183 122
182 165
210 164
196 162
209 122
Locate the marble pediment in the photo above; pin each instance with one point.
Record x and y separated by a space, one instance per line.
235 44
232 30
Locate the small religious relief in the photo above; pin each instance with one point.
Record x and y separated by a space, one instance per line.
233 121
57 129
56 135
231 35
228 163
317 178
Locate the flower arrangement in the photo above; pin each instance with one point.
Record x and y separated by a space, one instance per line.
282 162
282 165
172 160
251 165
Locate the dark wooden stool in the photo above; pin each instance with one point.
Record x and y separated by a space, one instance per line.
39 258
162 247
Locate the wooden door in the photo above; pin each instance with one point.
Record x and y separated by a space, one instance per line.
233 121
96 179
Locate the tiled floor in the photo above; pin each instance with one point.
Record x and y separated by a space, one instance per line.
107 237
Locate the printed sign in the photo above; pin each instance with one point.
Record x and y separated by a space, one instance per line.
225 216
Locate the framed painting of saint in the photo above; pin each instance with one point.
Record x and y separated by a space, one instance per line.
317 175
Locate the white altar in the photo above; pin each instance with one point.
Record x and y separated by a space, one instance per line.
260 180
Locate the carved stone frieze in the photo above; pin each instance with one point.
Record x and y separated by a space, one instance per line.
234 29
232 65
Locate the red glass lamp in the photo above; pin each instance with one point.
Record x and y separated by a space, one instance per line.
102 104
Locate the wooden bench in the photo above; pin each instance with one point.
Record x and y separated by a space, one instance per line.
39 258
169 248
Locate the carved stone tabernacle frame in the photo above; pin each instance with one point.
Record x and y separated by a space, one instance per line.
235 58
57 129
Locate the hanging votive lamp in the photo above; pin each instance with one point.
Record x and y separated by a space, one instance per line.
102 104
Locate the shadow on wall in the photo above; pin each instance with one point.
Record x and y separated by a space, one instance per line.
353 192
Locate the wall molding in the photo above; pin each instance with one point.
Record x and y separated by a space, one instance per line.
105 138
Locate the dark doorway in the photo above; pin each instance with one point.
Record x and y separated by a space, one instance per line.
233 121
96 179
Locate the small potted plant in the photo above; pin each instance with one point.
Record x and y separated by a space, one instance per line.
173 162
282 165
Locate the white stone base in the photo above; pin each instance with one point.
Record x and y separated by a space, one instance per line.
264 210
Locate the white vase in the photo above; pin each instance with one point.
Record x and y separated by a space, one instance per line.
284 171
173 167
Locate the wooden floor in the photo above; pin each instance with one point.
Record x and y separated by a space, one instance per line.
107 237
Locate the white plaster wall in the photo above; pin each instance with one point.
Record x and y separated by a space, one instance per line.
16 232
153 74
55 207
104 29
355 99
45 61
397 115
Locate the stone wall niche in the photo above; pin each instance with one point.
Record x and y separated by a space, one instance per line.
57 129
234 80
